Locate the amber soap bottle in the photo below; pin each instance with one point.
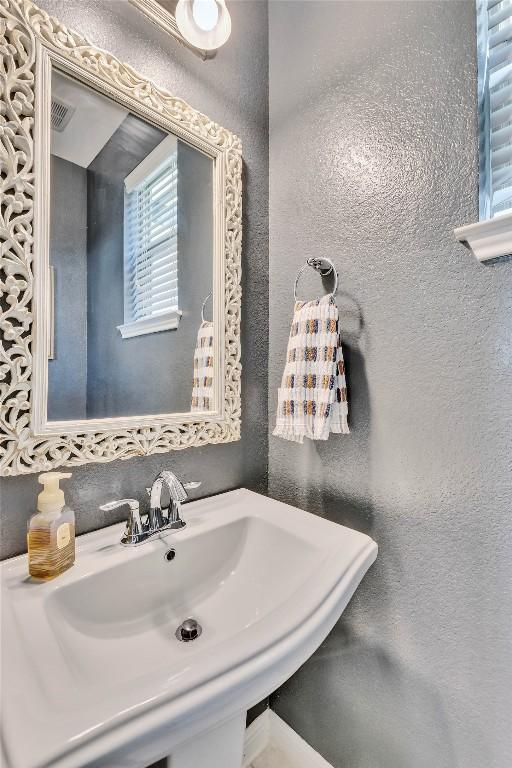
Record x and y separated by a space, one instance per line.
51 530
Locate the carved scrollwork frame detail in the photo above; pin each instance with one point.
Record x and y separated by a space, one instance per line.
24 28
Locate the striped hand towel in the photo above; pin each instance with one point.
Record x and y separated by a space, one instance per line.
202 383
312 400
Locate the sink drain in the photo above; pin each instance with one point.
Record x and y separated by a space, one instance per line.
189 630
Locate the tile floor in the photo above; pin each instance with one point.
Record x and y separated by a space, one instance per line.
271 757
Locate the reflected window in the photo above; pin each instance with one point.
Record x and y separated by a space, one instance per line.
151 243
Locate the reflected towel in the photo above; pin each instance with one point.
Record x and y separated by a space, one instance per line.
312 399
202 383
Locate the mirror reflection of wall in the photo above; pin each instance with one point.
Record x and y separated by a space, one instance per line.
131 244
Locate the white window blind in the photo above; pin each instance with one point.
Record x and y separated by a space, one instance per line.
151 245
495 105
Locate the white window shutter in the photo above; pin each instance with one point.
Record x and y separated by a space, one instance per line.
494 21
151 246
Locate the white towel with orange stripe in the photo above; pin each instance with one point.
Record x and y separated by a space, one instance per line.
202 384
312 399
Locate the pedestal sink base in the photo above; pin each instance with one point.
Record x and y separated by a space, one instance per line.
221 747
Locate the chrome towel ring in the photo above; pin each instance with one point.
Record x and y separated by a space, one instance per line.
203 307
324 266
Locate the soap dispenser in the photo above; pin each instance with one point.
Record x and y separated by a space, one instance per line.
51 530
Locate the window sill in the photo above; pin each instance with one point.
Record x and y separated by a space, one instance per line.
167 321
488 239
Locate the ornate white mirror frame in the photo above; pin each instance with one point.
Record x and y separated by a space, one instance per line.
31 42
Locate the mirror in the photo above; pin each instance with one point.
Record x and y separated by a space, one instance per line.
123 221
131 253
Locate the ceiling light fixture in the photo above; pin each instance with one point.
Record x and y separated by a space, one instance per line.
205 24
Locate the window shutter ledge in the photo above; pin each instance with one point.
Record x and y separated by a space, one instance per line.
489 239
166 321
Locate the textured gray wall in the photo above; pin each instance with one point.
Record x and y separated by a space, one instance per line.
373 163
231 89
67 373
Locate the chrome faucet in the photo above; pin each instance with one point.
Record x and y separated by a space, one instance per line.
170 517
157 520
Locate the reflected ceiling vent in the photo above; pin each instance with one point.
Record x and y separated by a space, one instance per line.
61 114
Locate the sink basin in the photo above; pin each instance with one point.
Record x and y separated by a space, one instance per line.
92 670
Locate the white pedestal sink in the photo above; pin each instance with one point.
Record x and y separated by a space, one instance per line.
92 672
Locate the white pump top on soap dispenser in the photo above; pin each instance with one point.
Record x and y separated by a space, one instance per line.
51 499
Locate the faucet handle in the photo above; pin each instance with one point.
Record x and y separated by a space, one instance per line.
192 485
134 529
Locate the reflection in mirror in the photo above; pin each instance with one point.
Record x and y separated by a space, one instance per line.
131 258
